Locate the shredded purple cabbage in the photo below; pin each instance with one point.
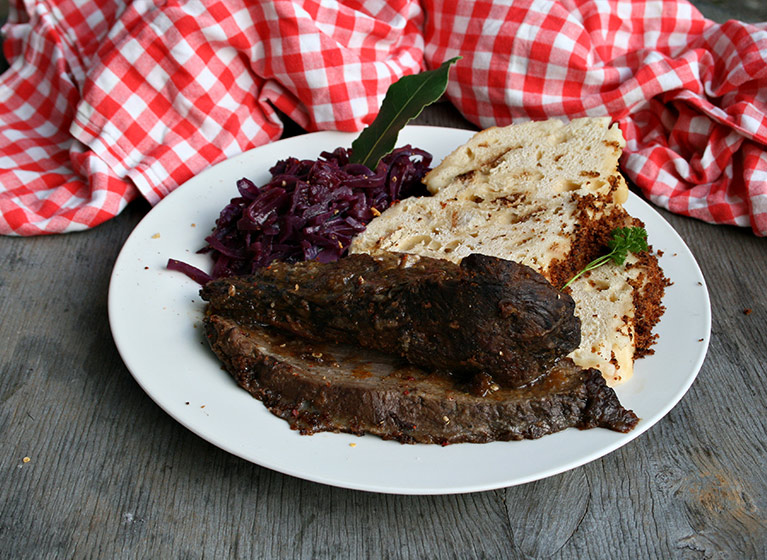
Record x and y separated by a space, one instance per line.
192 272
309 210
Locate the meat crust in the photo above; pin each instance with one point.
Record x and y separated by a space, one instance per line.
486 316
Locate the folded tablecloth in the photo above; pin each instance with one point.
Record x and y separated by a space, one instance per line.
106 101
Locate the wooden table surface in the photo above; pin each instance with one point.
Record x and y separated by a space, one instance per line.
92 468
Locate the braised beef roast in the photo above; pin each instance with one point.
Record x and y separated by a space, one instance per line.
411 349
341 388
486 316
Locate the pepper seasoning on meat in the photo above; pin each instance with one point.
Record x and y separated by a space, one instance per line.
483 317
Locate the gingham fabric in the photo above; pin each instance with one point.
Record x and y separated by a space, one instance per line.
106 101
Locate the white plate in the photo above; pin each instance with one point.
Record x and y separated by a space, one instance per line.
155 319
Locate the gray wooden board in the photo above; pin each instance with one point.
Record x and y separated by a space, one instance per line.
112 476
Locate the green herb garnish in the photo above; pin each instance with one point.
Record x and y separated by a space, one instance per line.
404 101
622 242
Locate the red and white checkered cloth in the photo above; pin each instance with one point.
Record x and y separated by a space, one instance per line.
107 100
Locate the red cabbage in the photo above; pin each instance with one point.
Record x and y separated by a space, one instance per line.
191 271
309 209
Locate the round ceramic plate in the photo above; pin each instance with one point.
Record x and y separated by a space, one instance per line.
155 317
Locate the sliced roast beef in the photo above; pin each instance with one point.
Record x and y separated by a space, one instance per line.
484 317
318 386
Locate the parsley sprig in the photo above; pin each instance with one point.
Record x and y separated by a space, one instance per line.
622 242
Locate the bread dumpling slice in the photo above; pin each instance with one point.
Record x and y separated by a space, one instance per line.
546 194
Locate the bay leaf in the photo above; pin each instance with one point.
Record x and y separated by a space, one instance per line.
404 101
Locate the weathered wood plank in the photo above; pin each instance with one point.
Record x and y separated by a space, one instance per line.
111 475
538 527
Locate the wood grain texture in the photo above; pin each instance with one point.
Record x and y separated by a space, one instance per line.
110 475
